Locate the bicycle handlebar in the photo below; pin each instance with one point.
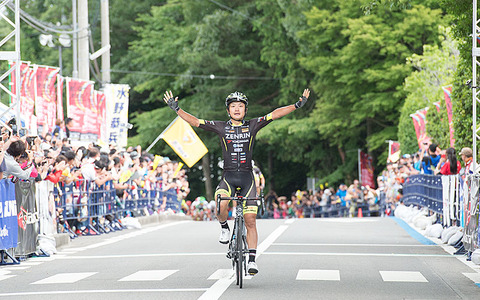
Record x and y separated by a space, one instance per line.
241 198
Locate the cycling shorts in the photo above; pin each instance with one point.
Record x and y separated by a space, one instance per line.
244 180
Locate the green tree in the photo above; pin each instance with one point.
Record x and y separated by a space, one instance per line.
435 68
359 65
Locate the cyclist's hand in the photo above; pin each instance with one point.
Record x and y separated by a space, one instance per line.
172 102
303 99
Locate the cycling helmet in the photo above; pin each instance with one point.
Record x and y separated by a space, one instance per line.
236 97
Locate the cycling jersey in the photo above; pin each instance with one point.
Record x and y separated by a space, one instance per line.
237 140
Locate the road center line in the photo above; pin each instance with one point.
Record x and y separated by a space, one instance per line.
350 245
100 291
360 254
221 285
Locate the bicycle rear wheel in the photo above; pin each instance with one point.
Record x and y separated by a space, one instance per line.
240 260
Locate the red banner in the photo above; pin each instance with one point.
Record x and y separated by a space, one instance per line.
60 80
420 124
447 91
82 108
45 98
102 115
27 91
366 170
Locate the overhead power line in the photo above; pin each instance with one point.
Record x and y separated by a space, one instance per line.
239 13
42 26
211 76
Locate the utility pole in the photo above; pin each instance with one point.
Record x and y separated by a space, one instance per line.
105 24
83 52
75 36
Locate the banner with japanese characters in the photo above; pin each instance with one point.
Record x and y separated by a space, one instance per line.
82 108
117 97
46 97
102 116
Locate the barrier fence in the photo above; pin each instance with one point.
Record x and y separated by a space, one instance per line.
82 207
454 198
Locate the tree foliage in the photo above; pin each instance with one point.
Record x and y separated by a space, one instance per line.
434 69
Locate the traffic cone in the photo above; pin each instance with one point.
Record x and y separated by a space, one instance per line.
360 213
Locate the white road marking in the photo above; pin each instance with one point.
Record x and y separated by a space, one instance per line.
352 245
222 274
290 221
402 276
475 277
15 268
360 254
149 275
347 220
330 275
3 277
65 278
31 263
100 291
141 255
219 287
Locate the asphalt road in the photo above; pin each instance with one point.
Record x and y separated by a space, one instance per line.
366 258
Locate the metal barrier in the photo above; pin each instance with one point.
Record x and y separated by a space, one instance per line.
424 190
87 209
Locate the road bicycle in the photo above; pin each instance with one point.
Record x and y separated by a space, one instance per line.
237 247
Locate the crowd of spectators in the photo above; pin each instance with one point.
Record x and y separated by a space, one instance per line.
51 156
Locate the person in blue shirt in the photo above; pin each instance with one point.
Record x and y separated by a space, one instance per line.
342 193
430 162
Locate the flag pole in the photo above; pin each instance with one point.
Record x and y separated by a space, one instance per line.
160 135
359 167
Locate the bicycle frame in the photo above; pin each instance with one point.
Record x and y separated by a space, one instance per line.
237 247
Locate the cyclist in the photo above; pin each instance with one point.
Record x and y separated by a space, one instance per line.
237 138
259 179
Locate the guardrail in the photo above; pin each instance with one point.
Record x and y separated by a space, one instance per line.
82 207
454 198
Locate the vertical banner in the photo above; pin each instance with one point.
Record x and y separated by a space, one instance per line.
27 217
416 124
117 97
60 81
366 170
420 123
184 141
437 105
82 108
393 151
8 215
46 97
102 116
26 103
470 236
447 91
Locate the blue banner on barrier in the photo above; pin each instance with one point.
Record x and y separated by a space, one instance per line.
8 216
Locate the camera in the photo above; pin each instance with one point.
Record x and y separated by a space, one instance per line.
31 140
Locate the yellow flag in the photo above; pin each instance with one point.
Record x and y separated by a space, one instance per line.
184 141
180 165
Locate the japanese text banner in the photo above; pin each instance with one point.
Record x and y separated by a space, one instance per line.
184 141
117 98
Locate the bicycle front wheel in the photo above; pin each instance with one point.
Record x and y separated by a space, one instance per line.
240 260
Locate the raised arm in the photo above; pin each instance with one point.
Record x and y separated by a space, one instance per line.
285 110
173 104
